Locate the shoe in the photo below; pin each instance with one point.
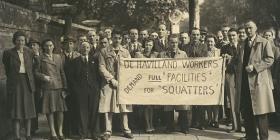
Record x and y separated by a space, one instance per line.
95 138
201 127
61 137
185 131
128 135
53 138
106 137
28 138
215 124
245 138
148 131
231 131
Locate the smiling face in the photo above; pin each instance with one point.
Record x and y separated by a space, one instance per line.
242 34
268 35
210 42
48 47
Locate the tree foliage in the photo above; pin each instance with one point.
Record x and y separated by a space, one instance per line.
127 13
215 13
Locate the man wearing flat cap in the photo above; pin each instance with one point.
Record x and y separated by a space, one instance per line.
203 34
35 46
68 55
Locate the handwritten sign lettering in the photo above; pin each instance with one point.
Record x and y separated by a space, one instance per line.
158 81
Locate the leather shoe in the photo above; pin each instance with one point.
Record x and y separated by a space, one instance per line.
105 137
53 138
28 138
61 137
128 135
185 131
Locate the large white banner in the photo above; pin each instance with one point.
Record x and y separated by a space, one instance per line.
160 81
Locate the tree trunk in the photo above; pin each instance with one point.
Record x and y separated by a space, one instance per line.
67 25
194 14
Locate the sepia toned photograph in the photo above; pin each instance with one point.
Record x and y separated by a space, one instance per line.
139 69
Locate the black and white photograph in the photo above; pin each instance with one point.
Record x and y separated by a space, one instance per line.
139 69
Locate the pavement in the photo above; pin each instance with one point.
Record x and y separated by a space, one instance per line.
195 134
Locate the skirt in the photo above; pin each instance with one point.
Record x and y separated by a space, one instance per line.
22 105
53 101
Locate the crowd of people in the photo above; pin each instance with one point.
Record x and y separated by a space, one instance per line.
76 86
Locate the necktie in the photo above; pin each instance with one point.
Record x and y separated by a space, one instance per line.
162 42
116 51
173 54
250 43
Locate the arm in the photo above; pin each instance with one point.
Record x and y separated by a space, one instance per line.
6 60
267 58
38 70
62 74
102 68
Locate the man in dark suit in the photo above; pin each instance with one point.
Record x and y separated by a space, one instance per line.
86 92
134 45
68 55
161 43
35 46
256 98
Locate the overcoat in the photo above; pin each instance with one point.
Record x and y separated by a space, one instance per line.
54 69
260 80
108 67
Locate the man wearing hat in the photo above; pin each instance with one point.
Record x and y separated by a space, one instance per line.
203 34
68 55
35 46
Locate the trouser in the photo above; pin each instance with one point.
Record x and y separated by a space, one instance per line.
108 123
251 121
185 119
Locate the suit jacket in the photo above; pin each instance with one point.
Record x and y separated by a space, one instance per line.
85 73
260 80
178 54
54 69
196 50
232 51
159 47
11 62
132 50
